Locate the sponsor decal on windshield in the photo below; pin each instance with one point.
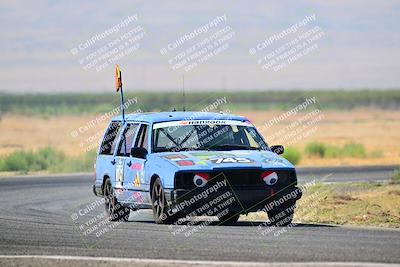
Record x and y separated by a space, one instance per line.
201 122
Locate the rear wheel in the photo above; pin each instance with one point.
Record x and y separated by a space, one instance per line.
114 209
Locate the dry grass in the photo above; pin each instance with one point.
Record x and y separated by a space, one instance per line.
346 204
375 129
32 133
366 204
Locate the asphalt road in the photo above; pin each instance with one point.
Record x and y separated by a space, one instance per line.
53 216
346 173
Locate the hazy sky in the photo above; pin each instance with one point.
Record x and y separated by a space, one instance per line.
356 44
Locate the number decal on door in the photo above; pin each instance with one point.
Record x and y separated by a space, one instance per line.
119 173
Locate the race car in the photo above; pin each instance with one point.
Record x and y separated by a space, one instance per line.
187 164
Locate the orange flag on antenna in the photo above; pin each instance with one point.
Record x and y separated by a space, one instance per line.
118 78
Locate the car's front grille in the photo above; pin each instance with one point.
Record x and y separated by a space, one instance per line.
241 177
236 178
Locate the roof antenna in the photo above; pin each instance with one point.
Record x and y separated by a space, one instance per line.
183 91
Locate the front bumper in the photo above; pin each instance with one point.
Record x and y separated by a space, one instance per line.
239 190
239 199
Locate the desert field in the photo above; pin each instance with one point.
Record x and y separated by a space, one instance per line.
376 130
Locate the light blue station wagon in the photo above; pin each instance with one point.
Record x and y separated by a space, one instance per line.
185 164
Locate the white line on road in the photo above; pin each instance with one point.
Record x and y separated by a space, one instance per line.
162 262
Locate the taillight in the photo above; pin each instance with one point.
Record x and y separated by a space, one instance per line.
269 177
201 179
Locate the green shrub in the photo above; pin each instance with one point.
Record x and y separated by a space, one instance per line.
24 161
316 149
46 159
83 163
292 155
321 150
18 161
353 150
395 179
332 151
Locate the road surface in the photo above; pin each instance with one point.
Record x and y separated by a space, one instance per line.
51 216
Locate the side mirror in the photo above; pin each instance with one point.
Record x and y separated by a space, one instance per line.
139 152
278 149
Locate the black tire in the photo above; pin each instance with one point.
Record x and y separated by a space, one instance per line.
159 204
229 219
114 209
280 217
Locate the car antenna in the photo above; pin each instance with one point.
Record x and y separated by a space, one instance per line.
183 91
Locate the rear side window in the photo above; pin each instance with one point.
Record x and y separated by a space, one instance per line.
109 141
125 144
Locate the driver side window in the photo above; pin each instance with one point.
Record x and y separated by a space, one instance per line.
125 144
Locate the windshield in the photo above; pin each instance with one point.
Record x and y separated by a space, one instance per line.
206 137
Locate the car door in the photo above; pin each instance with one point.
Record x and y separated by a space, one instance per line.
122 156
134 167
105 162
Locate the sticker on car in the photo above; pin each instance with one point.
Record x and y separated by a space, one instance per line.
231 160
119 173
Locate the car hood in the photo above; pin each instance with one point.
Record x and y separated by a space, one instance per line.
210 160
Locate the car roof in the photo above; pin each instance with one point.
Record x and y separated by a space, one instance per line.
154 117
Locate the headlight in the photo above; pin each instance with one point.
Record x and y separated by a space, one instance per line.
269 177
201 179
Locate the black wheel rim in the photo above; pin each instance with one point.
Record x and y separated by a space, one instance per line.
158 200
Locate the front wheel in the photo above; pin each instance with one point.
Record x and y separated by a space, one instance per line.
114 209
159 203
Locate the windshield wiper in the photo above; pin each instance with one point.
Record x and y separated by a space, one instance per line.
187 137
169 136
162 149
201 149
